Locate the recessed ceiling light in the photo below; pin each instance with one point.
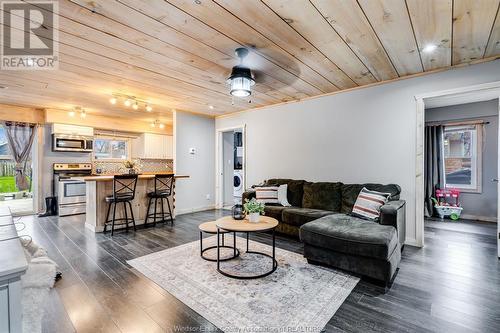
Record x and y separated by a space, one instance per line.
429 48
71 113
127 102
162 126
211 107
112 100
149 108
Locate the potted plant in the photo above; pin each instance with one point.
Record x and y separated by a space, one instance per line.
254 209
130 166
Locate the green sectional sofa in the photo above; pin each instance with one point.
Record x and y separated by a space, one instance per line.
320 216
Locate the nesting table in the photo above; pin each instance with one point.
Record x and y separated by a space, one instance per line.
228 224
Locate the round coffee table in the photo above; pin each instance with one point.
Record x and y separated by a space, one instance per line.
211 228
229 224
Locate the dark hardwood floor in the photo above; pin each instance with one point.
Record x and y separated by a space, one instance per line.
451 285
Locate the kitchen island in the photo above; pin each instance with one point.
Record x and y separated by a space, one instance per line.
100 186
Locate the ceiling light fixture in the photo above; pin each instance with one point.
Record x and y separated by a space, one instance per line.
211 107
429 48
157 123
71 113
129 100
241 79
83 113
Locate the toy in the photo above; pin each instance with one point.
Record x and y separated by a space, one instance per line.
446 208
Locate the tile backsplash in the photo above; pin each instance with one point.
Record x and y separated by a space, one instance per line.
144 165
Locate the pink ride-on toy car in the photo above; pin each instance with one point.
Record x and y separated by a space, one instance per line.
445 208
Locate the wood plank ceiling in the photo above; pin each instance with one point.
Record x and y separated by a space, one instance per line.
177 54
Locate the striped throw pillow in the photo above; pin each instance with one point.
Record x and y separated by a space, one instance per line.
368 204
267 195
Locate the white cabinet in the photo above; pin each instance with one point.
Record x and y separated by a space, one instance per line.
72 130
153 146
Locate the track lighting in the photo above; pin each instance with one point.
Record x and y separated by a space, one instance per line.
83 113
162 126
71 113
128 100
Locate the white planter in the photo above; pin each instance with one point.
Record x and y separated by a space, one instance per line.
253 217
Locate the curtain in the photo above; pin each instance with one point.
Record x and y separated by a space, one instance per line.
20 138
433 165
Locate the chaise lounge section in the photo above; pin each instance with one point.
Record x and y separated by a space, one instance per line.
320 216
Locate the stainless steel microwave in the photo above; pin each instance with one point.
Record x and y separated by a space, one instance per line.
75 143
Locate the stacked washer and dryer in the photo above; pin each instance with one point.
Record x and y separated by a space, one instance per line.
238 166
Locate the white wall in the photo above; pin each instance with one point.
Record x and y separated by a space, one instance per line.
479 206
192 131
364 135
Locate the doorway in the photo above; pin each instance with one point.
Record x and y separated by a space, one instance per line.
20 202
463 169
231 173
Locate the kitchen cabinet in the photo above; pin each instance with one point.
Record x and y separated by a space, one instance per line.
153 146
72 130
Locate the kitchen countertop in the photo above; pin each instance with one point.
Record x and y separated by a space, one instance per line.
145 175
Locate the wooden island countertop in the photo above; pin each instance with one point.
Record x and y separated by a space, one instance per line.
145 175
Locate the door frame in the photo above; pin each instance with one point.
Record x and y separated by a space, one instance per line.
219 162
469 94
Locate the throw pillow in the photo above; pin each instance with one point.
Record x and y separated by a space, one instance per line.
368 203
267 195
282 195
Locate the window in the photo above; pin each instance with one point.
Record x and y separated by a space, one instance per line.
462 146
4 147
107 148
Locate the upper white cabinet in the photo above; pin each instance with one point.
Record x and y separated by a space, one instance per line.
72 130
150 145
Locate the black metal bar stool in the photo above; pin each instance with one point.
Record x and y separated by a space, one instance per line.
163 189
124 192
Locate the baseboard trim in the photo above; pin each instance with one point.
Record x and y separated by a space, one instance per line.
479 218
412 242
193 210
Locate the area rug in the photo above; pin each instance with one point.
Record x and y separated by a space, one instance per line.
297 297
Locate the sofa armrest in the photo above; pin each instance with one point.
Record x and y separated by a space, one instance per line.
248 194
394 213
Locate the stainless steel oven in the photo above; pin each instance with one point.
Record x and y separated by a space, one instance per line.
71 193
75 143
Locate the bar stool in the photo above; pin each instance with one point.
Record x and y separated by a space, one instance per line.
162 190
124 192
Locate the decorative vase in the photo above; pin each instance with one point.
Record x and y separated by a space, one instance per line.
253 217
131 171
238 212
